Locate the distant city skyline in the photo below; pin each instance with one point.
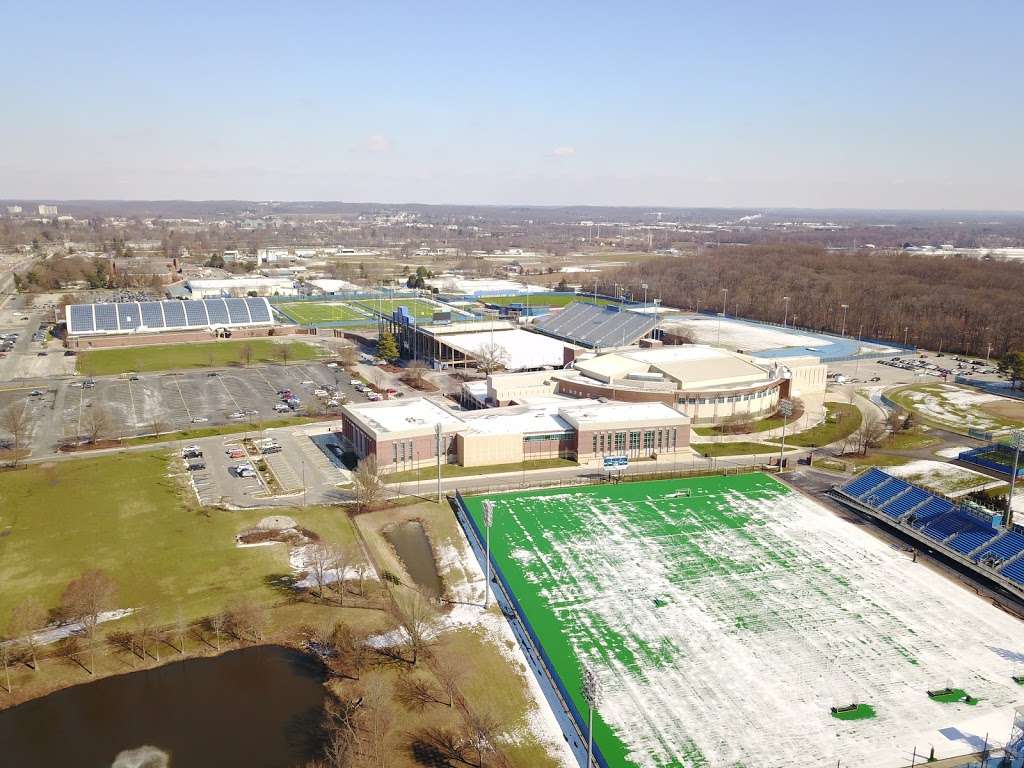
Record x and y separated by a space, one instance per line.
906 105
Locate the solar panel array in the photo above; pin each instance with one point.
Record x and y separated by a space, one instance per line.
128 316
594 326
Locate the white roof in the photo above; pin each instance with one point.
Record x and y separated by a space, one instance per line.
237 282
472 286
403 415
591 413
328 285
522 349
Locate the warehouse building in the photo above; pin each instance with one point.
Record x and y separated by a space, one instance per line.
405 434
238 287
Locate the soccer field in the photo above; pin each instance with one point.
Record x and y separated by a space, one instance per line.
542 300
725 616
310 312
418 308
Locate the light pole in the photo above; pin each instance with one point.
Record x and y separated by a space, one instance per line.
786 409
437 433
1017 441
906 334
785 317
725 299
644 286
592 693
845 307
488 522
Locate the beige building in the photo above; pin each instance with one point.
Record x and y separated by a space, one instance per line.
708 384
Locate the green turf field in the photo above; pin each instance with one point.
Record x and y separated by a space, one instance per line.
542 300
166 357
418 308
527 540
312 312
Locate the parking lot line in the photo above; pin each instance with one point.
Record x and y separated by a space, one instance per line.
230 396
187 411
131 397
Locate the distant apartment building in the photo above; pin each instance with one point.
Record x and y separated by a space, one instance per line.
13 210
47 210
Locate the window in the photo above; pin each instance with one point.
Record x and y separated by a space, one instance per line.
402 452
394 453
659 440
634 441
602 442
620 441
595 444
649 440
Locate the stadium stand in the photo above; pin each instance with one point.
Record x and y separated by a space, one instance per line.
595 327
958 529
150 316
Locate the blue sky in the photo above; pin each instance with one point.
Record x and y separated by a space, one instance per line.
894 105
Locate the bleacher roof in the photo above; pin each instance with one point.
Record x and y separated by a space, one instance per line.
154 316
595 327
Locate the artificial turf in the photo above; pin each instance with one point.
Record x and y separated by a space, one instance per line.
861 712
418 308
312 312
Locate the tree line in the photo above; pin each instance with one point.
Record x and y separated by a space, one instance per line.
947 304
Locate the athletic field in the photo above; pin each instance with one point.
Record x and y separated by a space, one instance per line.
312 312
542 300
418 308
725 617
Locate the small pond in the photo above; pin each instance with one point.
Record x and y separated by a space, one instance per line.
413 547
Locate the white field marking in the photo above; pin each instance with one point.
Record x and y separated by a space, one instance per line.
801 611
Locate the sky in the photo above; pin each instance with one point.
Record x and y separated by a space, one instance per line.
902 104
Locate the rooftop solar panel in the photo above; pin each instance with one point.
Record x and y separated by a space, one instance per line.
174 314
129 316
218 312
195 313
106 317
80 318
152 314
258 310
237 311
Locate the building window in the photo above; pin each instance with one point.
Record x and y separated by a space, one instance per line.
602 442
648 440
620 441
595 444
634 441
394 453
401 454
659 440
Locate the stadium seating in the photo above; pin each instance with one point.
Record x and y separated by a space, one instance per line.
930 511
900 505
861 485
878 497
1004 548
971 537
1014 571
944 526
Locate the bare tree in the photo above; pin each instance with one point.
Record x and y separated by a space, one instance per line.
5 659
97 424
218 622
416 374
870 433
15 421
246 353
85 598
482 731
367 483
342 558
418 617
379 721
157 426
449 675
491 357
27 617
321 561
283 352
245 619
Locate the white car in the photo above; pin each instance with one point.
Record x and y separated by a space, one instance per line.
245 470
320 392
332 365
199 420
191 448
236 415
281 407
355 382
308 383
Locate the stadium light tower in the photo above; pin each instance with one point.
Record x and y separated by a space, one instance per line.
644 286
592 693
845 308
786 409
785 317
725 300
1017 441
488 520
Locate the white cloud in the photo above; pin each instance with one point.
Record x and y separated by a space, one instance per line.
563 152
378 143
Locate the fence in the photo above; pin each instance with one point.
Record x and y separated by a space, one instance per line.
976 456
992 387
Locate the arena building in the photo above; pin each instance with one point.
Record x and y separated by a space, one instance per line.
708 384
403 434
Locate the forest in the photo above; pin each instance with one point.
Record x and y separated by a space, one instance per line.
946 304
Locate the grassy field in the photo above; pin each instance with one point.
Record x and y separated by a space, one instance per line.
125 515
959 408
418 308
312 312
842 420
758 425
166 357
542 301
454 470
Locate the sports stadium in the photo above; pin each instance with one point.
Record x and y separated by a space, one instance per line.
732 621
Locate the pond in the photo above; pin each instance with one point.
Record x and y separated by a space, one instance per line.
413 548
252 707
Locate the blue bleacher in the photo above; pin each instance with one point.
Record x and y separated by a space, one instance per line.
1014 571
931 511
861 485
898 507
1008 546
944 526
877 497
971 538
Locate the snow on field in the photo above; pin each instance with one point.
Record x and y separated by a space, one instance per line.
736 335
953 405
953 451
947 479
766 616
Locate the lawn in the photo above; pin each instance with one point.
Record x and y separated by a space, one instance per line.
454 470
418 308
758 425
166 357
841 420
124 514
311 312
736 448
542 300
956 408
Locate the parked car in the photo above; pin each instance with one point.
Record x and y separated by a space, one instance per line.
194 466
192 455
189 448
280 407
236 453
355 382
36 393
236 415
245 470
332 365
199 419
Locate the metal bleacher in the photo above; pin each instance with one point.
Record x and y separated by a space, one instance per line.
130 316
595 326
960 530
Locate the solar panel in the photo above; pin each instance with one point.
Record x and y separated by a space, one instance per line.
258 310
106 317
129 316
218 312
152 315
195 313
237 311
174 314
80 318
